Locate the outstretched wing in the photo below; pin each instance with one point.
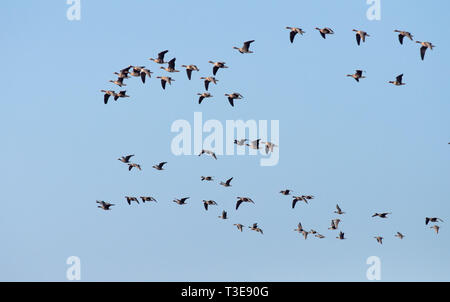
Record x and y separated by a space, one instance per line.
292 36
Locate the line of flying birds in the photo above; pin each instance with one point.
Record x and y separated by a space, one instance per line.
143 73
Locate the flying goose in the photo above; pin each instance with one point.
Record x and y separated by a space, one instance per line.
436 228
147 198
334 224
299 228
160 59
122 74
403 34
125 159
269 146
379 239
224 215
294 32
325 31
227 183
255 227
217 65
339 211
189 69
319 236
171 66
133 165
254 144
286 192
424 47
360 35
295 200
145 72
203 96
241 142
357 75
181 201
118 82
305 234
165 80
121 94
207 203
130 199
239 226
341 236
432 219
108 93
207 178
209 80
159 166
398 81
233 96
245 47
104 205
399 235
241 200
209 153
381 215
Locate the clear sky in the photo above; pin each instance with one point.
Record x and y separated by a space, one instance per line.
369 146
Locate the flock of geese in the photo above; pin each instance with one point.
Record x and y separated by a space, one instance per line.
143 73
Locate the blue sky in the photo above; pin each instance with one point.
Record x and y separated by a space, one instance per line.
369 146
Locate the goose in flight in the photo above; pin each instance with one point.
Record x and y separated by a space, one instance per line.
145 72
233 96
341 236
360 35
319 236
165 80
241 142
207 178
425 46
171 66
227 183
402 34
130 199
160 59
436 228
334 224
241 200
207 203
379 239
189 69
399 235
181 201
134 165
294 32
325 31
339 211
118 82
147 198
108 93
245 47
269 146
208 152
432 219
299 228
121 94
357 75
255 227
224 215
159 166
286 192
254 144
217 66
104 205
239 226
381 215
125 159
203 96
209 80
398 81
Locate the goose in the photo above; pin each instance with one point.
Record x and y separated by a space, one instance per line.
171 66
381 215
224 215
181 201
121 94
209 80
269 146
339 211
130 199
403 34
227 183
294 32
233 96
160 59
104 205
341 236
203 96
305 198
239 226
125 70
133 165
108 93
424 47
325 31
208 152
165 80
145 72
136 71
436 228
207 203
245 47
357 75
122 74
241 200
398 81
255 227
334 224
319 236
299 228
118 82
189 69
254 144
286 192
295 200
379 239
305 234
159 166
360 35
207 178
432 219
241 142
147 198
217 65
125 159
399 235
